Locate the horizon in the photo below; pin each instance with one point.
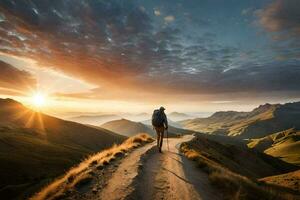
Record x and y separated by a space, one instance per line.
133 116
133 57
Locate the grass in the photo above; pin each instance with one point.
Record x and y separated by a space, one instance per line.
290 180
232 185
81 174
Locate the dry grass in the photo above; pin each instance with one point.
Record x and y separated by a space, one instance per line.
289 180
233 186
82 173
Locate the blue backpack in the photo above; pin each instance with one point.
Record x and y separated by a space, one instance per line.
157 118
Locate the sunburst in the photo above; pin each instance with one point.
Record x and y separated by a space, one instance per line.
39 100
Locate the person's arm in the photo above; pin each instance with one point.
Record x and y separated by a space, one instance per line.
166 121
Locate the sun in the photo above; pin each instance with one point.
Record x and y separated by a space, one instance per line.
39 100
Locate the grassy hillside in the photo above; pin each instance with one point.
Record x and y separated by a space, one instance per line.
239 159
89 170
130 128
290 180
258 123
284 145
35 148
237 170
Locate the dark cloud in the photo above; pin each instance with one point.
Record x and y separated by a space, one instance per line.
282 19
282 16
13 78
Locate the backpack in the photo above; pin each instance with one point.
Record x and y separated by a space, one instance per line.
157 118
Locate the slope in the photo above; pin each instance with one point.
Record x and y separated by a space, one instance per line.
237 171
35 148
284 145
290 180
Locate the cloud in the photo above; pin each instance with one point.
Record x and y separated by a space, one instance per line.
157 12
13 79
281 19
126 53
282 15
169 18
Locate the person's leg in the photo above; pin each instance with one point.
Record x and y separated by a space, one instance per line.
157 137
159 141
161 138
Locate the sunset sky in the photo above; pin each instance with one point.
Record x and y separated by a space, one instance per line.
134 55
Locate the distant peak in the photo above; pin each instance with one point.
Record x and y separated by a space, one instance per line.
265 107
122 120
178 113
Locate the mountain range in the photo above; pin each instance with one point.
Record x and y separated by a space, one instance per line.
262 121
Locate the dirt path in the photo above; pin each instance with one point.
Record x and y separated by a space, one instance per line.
147 174
121 183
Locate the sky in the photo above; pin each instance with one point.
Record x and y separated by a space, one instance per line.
135 55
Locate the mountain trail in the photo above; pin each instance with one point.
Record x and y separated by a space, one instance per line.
146 174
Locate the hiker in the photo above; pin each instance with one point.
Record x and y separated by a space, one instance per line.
159 123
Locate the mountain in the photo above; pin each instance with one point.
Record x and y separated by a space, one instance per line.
261 121
284 145
176 116
94 119
128 128
35 148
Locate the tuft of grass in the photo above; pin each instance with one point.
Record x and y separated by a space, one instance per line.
192 155
80 174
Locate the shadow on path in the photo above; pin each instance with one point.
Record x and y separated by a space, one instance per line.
176 175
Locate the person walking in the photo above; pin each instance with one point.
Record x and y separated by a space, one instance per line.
160 124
